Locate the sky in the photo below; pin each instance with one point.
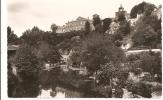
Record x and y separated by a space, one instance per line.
25 14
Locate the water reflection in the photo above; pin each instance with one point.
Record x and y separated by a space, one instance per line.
51 86
45 93
52 83
59 93
51 93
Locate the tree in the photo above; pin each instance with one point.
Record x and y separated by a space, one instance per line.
145 36
48 53
147 61
151 62
54 28
28 68
106 24
75 52
9 31
51 39
122 31
98 51
43 51
32 37
97 23
12 80
87 28
43 44
102 58
53 56
121 17
134 12
27 63
149 35
65 45
110 71
75 57
107 72
118 43
11 37
141 8
124 28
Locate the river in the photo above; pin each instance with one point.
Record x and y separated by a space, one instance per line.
52 87
54 84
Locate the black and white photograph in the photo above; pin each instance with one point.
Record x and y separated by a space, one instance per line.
83 49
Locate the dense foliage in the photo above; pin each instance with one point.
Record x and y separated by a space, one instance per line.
27 63
87 28
148 62
141 8
97 23
11 37
150 34
106 24
98 50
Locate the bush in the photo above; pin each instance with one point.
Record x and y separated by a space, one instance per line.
157 87
139 88
147 61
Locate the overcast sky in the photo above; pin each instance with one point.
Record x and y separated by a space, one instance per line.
24 14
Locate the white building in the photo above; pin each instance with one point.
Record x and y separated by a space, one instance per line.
76 25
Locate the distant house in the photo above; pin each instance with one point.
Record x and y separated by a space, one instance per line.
11 50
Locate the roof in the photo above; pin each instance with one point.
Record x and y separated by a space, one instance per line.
12 47
121 7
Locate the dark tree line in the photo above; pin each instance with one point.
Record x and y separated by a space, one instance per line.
11 37
141 8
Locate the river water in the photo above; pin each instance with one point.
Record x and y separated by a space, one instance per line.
59 92
50 87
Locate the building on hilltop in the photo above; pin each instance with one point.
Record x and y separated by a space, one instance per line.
77 25
115 23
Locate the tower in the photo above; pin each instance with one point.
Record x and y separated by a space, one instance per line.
121 8
121 14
